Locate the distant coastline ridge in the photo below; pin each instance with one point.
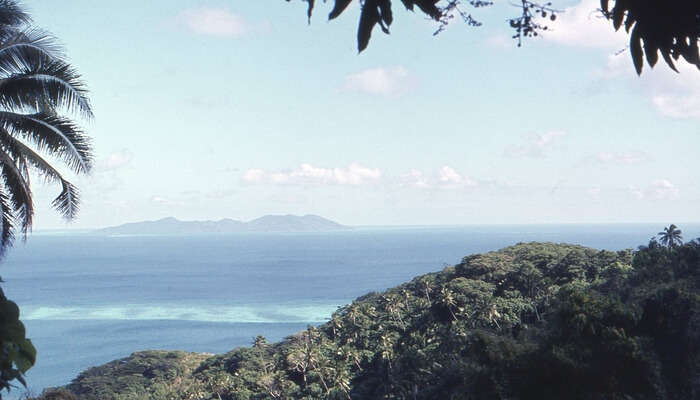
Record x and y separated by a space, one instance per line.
267 223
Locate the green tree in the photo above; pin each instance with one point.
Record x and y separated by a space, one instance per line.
671 236
671 29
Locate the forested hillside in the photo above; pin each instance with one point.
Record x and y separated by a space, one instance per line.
531 321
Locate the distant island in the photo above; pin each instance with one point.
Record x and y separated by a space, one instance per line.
267 223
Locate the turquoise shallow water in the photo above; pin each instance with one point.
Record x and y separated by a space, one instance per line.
90 299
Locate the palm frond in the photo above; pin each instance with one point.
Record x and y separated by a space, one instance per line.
671 236
11 14
36 85
7 223
20 195
26 156
28 44
67 201
29 84
52 134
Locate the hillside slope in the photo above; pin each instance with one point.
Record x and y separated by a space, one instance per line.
531 321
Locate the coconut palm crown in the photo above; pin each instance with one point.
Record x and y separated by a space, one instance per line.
37 88
671 236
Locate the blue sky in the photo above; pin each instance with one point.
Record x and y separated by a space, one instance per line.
232 109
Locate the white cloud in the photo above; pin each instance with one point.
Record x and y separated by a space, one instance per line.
445 178
213 22
583 25
449 176
379 81
636 192
415 178
307 174
678 106
661 189
622 158
536 146
675 95
254 175
672 94
115 160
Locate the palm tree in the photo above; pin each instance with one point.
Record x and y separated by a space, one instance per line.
671 236
37 85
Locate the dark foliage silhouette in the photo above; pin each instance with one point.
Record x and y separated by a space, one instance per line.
671 236
669 29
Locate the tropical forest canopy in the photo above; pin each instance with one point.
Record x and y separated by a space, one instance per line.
670 29
531 321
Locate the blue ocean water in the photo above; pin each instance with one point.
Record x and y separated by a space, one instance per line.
89 299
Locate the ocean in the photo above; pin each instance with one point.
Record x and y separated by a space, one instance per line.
89 299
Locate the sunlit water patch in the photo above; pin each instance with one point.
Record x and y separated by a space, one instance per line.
268 313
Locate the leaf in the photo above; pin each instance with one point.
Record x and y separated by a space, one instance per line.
666 54
693 53
429 7
385 8
310 10
629 21
652 53
7 223
27 355
12 331
338 8
52 134
33 84
636 49
67 202
20 194
618 14
408 4
368 19
8 311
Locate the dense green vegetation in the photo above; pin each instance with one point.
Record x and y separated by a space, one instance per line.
531 321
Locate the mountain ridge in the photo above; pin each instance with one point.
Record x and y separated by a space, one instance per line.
266 223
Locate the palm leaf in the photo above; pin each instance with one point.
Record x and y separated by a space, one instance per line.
11 14
20 195
28 44
27 156
56 135
369 17
31 83
67 201
338 8
429 7
7 223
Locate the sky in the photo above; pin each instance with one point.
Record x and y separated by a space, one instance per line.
237 109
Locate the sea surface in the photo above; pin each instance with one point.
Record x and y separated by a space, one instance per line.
89 299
